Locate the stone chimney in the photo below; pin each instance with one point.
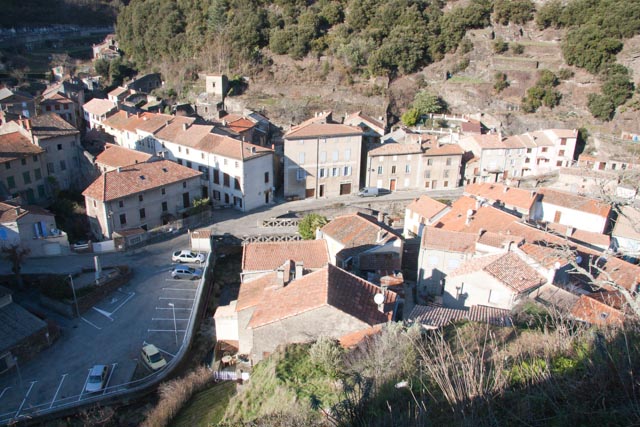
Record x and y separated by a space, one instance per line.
280 277
469 216
481 232
299 269
505 189
185 126
118 169
381 217
381 235
17 210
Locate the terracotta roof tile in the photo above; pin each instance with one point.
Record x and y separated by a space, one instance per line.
426 207
472 126
355 338
15 146
183 133
446 240
492 315
394 148
98 106
11 213
322 130
573 201
230 147
270 255
137 178
555 296
510 196
498 240
118 91
443 150
594 312
116 156
437 317
329 286
486 218
354 118
357 229
51 125
628 223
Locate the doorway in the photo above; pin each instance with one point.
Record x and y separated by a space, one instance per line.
392 184
321 190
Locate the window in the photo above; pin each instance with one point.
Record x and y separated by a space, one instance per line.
323 156
63 165
407 169
179 149
123 219
216 176
347 171
301 174
613 166
559 163
563 141
7 165
448 161
379 170
202 156
121 203
347 154
38 173
187 151
266 177
237 165
335 171
23 161
236 183
59 147
184 184
446 183
164 206
140 197
216 195
544 149
143 214
426 184
225 179
528 150
189 163
427 174
393 169
57 106
42 194
561 153
11 182
180 162
224 162
163 191
429 162
446 174
334 156
27 177
50 168
48 108
301 158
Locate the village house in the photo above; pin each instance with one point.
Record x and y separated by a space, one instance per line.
499 158
70 89
245 128
114 157
16 104
322 159
626 232
22 169
372 129
291 306
137 131
259 258
572 210
145 83
96 112
498 280
608 162
32 228
586 182
118 95
546 150
516 201
62 106
107 49
422 212
472 216
435 317
354 239
141 196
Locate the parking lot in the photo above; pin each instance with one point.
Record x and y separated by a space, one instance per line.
152 308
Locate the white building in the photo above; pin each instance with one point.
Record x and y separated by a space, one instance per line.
572 210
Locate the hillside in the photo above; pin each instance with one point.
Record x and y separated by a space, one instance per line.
34 13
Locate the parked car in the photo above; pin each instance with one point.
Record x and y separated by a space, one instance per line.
152 357
186 273
97 378
372 192
187 256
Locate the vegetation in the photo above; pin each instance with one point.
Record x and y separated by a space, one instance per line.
515 11
49 12
309 224
500 46
500 82
207 407
616 89
16 255
544 371
543 93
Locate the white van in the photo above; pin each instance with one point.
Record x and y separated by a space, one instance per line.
373 192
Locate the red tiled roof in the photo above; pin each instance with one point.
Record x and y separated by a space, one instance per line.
51 125
426 207
118 91
394 148
116 156
240 125
592 311
228 147
510 196
353 118
443 150
355 338
329 286
181 133
497 240
492 315
450 241
15 146
137 178
573 201
436 316
508 268
98 106
565 133
485 218
472 126
357 229
322 130
268 256
11 213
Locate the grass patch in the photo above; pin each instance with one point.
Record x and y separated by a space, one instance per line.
465 79
207 407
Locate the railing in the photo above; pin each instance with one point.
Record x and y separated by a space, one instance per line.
271 238
279 222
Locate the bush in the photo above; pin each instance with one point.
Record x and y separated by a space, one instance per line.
617 84
500 82
410 117
308 225
542 93
549 14
589 47
426 102
516 11
565 74
465 46
601 106
500 46
517 49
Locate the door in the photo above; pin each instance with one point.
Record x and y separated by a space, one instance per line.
392 184
266 197
185 200
321 191
345 189
310 192
556 217
205 192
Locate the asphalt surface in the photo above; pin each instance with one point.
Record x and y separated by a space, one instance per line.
152 307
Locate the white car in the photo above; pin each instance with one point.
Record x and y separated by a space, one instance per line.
187 256
152 358
97 378
186 273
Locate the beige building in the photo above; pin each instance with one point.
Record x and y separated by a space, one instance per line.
22 169
114 157
140 196
33 228
322 159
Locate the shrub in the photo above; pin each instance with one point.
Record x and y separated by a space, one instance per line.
589 47
542 93
601 106
410 117
500 82
308 225
517 49
516 11
549 14
565 74
465 46
426 102
500 46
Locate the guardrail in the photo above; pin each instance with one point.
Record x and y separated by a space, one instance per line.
115 392
279 222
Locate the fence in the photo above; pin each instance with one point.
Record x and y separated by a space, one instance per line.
225 375
279 222
271 238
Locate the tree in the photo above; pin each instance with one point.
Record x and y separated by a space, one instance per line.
601 106
516 11
500 82
549 14
426 102
617 84
500 46
589 47
102 67
410 117
309 224
16 255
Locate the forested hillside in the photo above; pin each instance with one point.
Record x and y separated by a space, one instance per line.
32 13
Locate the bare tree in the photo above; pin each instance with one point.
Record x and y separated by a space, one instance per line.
16 255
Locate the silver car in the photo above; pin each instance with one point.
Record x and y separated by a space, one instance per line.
184 272
187 256
97 379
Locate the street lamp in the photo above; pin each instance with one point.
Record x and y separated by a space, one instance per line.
175 328
75 300
15 359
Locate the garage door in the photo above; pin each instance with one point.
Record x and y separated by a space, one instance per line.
345 189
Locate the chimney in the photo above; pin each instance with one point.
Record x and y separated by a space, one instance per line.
469 216
481 232
380 216
185 126
478 204
253 150
505 189
299 269
381 235
138 114
17 210
118 169
280 277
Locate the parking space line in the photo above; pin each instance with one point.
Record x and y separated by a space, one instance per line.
178 289
95 326
131 295
104 313
177 299
167 318
4 391
166 352
165 330
57 391
106 385
85 384
176 309
25 399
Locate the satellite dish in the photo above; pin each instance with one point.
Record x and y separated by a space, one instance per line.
557 265
378 299
578 259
